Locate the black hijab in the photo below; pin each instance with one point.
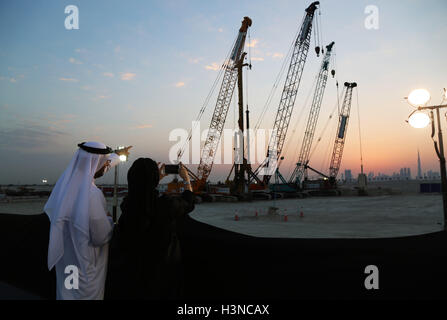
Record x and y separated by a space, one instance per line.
145 248
139 208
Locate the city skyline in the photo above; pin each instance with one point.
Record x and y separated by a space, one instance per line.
136 70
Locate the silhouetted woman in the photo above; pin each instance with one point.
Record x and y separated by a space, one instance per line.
145 261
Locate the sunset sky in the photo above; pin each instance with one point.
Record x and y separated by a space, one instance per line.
136 70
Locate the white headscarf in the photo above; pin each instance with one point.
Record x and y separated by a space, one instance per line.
69 202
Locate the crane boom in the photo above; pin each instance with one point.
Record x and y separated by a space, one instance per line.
340 137
303 158
288 96
222 105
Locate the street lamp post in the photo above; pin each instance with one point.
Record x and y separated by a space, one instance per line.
115 192
418 119
123 158
441 157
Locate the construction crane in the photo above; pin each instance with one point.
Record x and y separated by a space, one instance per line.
303 158
288 96
328 184
241 166
340 137
218 119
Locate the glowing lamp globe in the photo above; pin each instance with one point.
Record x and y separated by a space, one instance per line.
419 97
123 158
419 120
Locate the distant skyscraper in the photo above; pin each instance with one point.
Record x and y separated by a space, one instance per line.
419 167
405 174
348 175
433 175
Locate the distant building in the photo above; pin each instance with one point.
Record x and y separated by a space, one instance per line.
405 174
419 176
433 175
348 175
383 177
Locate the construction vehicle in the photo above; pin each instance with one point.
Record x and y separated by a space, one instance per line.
241 167
303 158
298 59
230 76
328 184
340 138
325 186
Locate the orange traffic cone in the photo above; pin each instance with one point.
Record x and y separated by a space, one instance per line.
285 218
236 217
301 213
256 213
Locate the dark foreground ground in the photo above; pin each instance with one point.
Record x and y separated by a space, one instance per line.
220 264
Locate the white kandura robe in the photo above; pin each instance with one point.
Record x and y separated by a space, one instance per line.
88 253
91 283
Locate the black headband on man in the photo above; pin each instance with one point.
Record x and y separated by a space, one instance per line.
107 150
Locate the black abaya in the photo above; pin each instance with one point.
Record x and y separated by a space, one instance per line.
145 258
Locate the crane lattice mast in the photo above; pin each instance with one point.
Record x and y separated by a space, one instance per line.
288 96
303 158
340 137
222 105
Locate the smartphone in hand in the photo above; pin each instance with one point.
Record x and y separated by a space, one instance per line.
172 169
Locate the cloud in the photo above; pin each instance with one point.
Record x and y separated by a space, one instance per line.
213 66
74 61
59 122
108 74
100 97
194 60
180 84
81 50
144 126
257 59
277 55
127 76
12 80
29 137
117 49
220 30
69 79
253 43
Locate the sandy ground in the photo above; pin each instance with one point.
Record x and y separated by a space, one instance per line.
325 217
329 217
